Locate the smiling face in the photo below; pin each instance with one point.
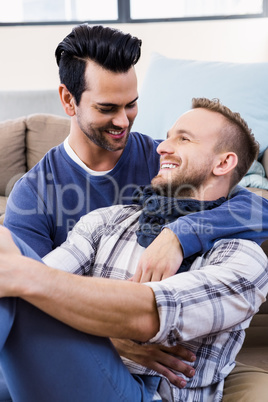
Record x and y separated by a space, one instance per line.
108 107
187 156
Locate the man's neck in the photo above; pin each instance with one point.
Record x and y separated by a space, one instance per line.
212 190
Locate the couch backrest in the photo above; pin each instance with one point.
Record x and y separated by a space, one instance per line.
15 104
24 141
43 132
12 153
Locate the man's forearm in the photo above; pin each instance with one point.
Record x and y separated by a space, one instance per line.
97 306
244 216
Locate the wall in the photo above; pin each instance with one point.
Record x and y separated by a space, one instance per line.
27 53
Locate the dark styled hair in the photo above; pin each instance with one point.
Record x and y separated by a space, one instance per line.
110 48
235 137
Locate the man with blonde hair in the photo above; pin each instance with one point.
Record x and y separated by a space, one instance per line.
205 307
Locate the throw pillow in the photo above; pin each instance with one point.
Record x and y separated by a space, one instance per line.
170 85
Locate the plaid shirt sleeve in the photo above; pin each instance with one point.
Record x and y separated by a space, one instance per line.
77 254
223 289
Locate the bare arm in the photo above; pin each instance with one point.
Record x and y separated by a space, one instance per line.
156 357
97 306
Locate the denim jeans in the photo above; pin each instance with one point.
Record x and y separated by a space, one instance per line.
4 392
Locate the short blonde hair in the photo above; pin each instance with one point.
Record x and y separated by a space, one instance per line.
235 136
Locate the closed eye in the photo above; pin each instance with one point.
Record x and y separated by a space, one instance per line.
131 105
105 110
185 138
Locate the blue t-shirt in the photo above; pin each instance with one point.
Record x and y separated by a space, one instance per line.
49 199
25 250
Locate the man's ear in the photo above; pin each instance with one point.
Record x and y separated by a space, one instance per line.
67 100
226 162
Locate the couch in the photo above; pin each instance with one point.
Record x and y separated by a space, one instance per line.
22 145
24 141
166 93
15 104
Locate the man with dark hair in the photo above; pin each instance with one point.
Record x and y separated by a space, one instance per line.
102 162
107 47
206 308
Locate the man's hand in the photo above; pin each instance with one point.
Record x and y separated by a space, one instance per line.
161 259
159 358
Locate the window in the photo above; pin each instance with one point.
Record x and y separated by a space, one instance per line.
75 11
33 11
147 9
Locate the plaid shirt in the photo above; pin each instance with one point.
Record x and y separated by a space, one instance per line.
205 309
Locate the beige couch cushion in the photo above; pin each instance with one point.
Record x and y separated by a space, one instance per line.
44 131
12 153
3 204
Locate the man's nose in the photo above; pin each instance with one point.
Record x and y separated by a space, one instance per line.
166 147
121 119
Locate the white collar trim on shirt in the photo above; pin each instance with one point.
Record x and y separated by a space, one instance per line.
77 160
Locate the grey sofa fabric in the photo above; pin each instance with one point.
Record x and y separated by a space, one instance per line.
16 104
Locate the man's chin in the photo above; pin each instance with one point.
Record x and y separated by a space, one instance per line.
157 181
160 186
117 144
165 188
